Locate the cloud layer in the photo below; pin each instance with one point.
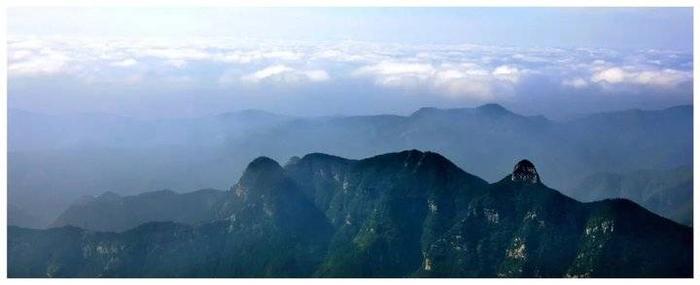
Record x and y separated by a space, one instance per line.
455 71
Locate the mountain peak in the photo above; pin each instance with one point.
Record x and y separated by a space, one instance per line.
263 162
261 169
424 111
493 108
524 171
262 175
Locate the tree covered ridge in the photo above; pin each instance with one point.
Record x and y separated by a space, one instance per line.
405 214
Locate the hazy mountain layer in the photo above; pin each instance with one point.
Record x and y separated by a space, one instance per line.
53 160
400 214
17 216
111 212
665 192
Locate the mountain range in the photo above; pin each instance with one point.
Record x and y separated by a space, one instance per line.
112 212
404 214
665 192
54 160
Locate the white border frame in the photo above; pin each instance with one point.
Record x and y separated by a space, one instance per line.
326 3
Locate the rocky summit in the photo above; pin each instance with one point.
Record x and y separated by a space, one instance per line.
525 172
404 214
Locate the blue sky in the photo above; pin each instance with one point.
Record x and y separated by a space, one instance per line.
321 61
667 28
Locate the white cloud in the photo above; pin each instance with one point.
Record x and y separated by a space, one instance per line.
283 55
177 63
45 62
285 74
244 57
176 53
267 73
317 75
19 54
339 55
452 80
665 77
469 71
529 58
30 43
459 83
240 57
506 72
420 70
124 63
610 75
398 74
577 82
649 77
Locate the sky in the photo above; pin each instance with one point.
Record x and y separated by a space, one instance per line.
184 62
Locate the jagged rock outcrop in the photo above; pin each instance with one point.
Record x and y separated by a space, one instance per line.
525 172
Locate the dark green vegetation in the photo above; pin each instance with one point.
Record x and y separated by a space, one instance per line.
394 215
55 159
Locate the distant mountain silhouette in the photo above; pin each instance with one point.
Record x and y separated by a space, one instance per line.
111 212
664 191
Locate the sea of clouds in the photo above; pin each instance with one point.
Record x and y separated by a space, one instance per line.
477 73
